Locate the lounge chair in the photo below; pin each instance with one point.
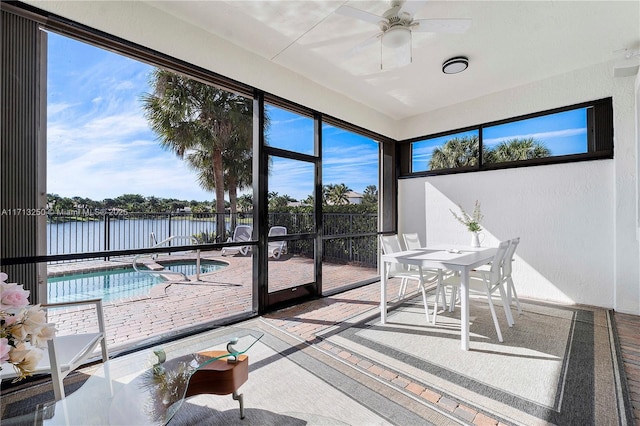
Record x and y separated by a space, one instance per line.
240 234
277 248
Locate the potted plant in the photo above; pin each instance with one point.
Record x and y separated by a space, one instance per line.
472 222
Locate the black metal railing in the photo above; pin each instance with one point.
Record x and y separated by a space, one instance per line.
348 237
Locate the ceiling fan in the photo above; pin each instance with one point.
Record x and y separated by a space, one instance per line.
396 26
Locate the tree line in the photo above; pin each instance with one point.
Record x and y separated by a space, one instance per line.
332 195
128 202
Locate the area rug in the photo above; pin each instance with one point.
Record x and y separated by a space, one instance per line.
558 364
292 383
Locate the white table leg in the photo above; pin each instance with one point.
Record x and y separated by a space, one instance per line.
464 305
383 293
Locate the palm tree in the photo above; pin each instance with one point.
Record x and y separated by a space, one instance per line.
461 152
245 202
280 201
153 204
338 194
238 172
198 121
326 190
515 150
370 195
456 152
309 201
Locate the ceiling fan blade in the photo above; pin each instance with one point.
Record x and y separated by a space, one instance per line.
451 26
352 12
363 45
412 6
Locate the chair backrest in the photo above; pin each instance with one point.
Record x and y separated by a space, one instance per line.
412 241
275 231
242 233
391 244
496 263
509 258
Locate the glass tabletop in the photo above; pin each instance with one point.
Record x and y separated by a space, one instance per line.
147 387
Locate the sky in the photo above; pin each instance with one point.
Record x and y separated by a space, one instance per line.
99 144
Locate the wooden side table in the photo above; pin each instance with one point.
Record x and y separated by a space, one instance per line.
220 377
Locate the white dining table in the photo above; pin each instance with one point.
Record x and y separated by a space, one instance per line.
452 257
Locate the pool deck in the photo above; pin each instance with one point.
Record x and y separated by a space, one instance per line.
178 306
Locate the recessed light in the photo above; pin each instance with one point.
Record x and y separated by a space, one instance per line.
455 65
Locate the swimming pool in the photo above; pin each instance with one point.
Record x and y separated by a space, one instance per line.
117 284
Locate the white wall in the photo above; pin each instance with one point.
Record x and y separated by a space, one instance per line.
577 221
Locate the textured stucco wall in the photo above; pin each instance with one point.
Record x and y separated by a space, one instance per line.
577 221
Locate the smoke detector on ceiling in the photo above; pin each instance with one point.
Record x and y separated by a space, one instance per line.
628 66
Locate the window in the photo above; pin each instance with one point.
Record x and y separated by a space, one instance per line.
575 133
446 152
289 131
350 164
563 133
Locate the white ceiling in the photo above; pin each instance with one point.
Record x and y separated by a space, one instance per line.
509 44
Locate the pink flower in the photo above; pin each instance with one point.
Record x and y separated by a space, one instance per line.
4 349
13 295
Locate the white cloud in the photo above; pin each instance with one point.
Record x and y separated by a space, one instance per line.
541 136
55 108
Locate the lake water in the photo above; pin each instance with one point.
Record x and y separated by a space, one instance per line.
121 234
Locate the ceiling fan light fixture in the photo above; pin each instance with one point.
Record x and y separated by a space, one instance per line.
395 48
396 37
455 65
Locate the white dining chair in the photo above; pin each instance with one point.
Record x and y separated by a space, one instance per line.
412 242
507 280
485 283
391 244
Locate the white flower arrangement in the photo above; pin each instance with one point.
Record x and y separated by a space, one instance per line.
23 329
472 222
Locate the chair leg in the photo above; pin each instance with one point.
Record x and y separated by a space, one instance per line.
424 301
454 297
443 298
57 378
58 386
512 289
435 305
403 288
506 305
494 316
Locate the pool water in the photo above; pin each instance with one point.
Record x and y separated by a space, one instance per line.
116 284
189 268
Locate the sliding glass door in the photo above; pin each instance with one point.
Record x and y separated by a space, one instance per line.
292 176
